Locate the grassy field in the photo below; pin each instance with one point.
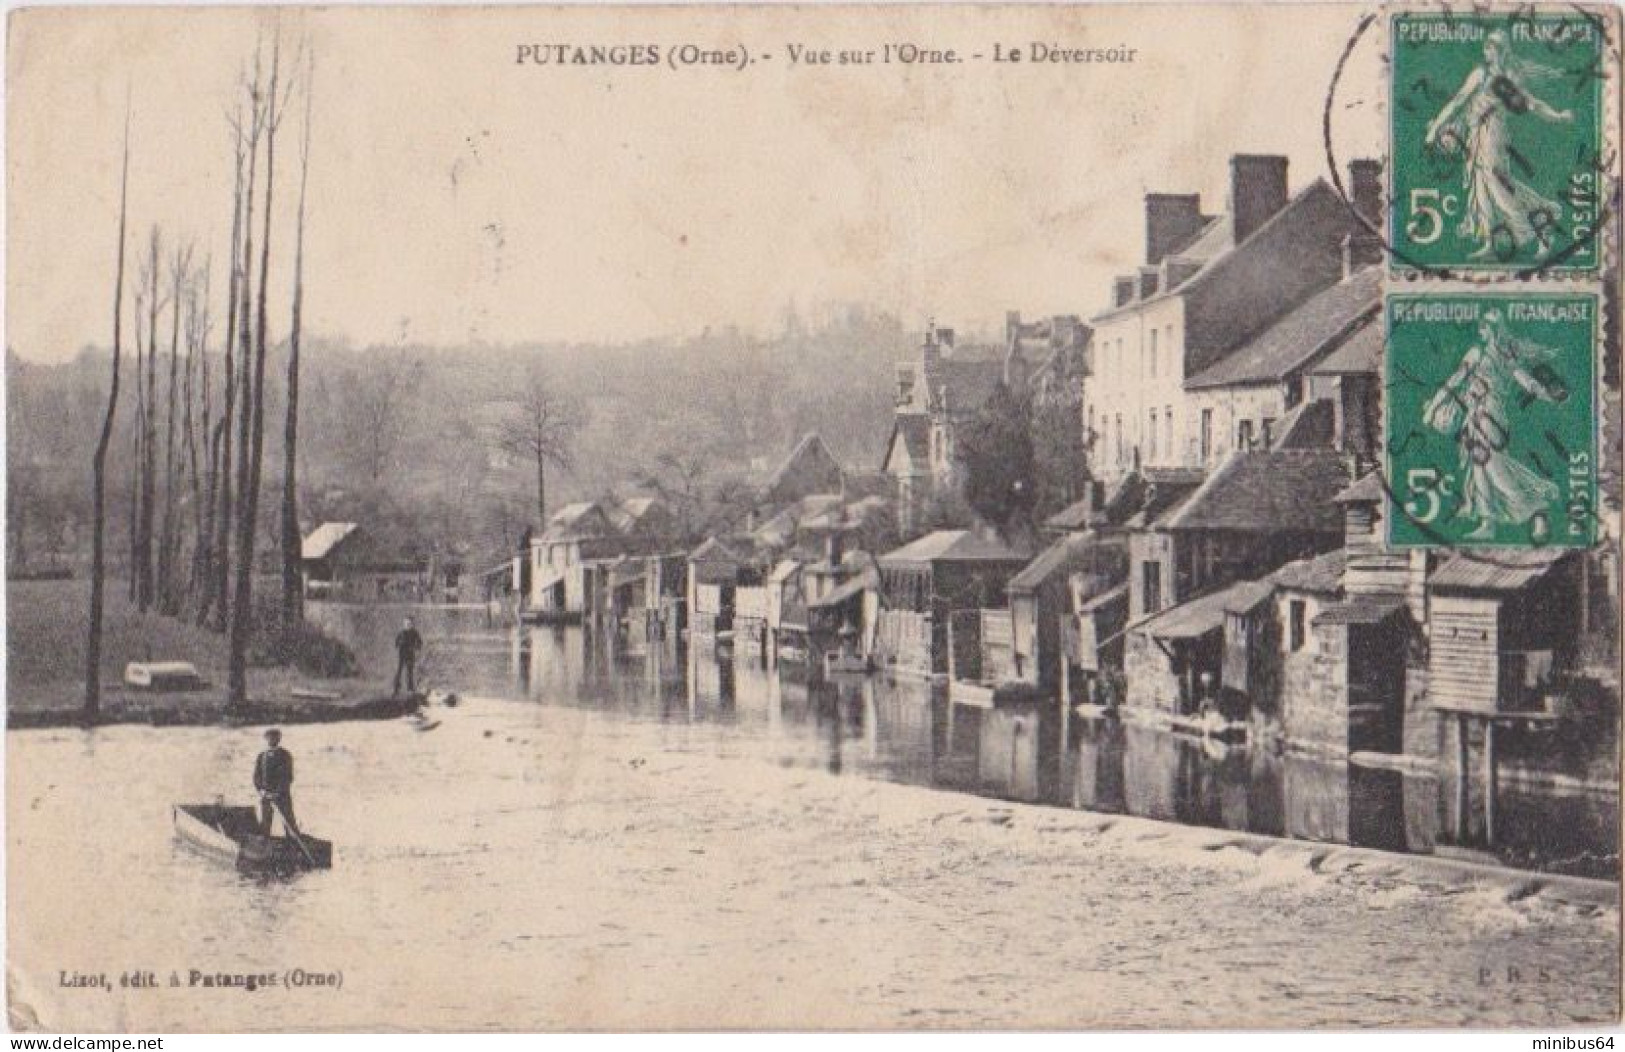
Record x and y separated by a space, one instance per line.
45 654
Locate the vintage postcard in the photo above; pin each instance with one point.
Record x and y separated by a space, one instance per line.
818 517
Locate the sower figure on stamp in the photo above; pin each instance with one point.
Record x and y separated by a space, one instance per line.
1476 406
1474 123
407 645
273 778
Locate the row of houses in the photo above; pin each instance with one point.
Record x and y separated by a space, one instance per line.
1224 566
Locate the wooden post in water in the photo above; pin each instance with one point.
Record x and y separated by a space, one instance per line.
1461 777
1489 782
1064 750
1066 690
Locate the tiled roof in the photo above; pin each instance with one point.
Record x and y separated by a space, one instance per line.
852 516
324 538
1308 425
1314 328
1361 610
953 546
1117 594
1212 239
1122 497
810 468
1267 491
1216 247
578 521
714 550
1360 353
1062 557
1174 476
1245 596
1368 490
1497 570
635 511
1162 505
1140 497
1320 573
1074 516
846 590
639 507
1199 616
571 512
969 382
779 530
802 514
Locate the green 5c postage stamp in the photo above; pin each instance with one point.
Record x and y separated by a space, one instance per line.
1491 430
1499 159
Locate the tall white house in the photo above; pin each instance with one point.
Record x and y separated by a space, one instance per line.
1209 284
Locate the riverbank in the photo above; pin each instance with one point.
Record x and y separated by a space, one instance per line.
45 667
210 708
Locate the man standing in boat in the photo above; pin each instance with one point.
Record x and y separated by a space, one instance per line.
407 645
273 778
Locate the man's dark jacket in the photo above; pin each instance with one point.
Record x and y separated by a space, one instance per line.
273 770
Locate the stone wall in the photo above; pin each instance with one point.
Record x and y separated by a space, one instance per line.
1152 683
1423 730
1314 683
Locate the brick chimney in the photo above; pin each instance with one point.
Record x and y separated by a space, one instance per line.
1172 221
1365 189
1149 278
1016 370
1257 191
930 355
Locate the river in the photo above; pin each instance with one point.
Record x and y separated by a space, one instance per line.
653 840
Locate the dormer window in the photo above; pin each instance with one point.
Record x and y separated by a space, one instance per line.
905 386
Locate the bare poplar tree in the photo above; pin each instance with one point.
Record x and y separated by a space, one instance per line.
293 595
146 585
197 407
268 108
217 597
168 597
93 643
238 612
138 430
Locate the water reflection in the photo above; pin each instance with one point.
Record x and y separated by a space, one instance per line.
907 731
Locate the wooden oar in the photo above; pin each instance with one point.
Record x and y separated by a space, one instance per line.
298 837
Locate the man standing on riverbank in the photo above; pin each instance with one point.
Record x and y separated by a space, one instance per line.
273 777
407 645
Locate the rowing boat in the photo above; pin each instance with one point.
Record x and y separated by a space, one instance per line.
232 835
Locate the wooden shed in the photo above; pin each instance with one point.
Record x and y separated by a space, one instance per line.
1503 626
1042 596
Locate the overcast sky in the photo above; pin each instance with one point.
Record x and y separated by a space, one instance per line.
458 196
